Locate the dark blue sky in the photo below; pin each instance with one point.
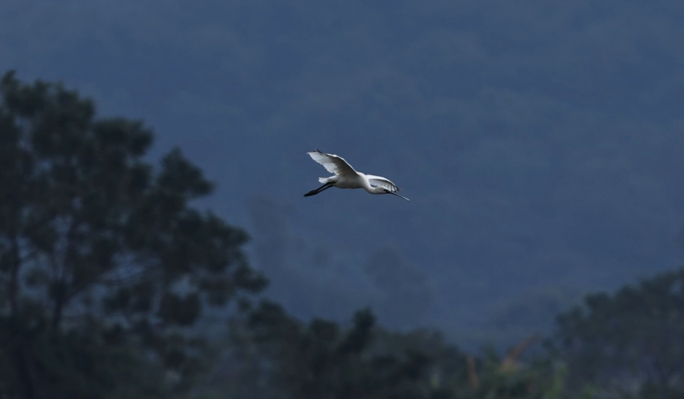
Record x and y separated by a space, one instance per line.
540 143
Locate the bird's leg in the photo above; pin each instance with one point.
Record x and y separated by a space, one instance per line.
319 189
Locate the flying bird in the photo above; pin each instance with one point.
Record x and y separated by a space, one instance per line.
346 177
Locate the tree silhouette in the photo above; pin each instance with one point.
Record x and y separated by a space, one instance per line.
97 247
323 359
629 342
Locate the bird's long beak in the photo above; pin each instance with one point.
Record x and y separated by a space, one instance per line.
398 195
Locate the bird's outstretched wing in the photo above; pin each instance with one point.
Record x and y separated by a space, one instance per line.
380 181
332 163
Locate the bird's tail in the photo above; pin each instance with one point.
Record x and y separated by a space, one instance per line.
322 179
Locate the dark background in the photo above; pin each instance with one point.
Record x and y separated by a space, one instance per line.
540 143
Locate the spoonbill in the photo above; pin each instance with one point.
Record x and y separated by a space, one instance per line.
346 177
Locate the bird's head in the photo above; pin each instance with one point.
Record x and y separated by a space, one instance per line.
393 193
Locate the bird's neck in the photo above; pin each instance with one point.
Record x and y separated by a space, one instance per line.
369 188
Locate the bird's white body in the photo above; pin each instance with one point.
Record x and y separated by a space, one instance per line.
359 180
346 177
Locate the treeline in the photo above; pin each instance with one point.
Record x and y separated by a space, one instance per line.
114 286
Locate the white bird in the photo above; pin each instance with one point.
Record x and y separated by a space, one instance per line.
346 177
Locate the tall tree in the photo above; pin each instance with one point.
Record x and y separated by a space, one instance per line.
97 246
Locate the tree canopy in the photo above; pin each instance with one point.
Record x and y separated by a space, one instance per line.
630 341
99 247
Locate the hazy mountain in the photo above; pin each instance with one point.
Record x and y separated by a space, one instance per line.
540 144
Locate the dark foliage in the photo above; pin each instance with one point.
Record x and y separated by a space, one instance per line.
322 359
630 341
99 249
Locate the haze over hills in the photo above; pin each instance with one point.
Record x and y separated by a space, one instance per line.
540 144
